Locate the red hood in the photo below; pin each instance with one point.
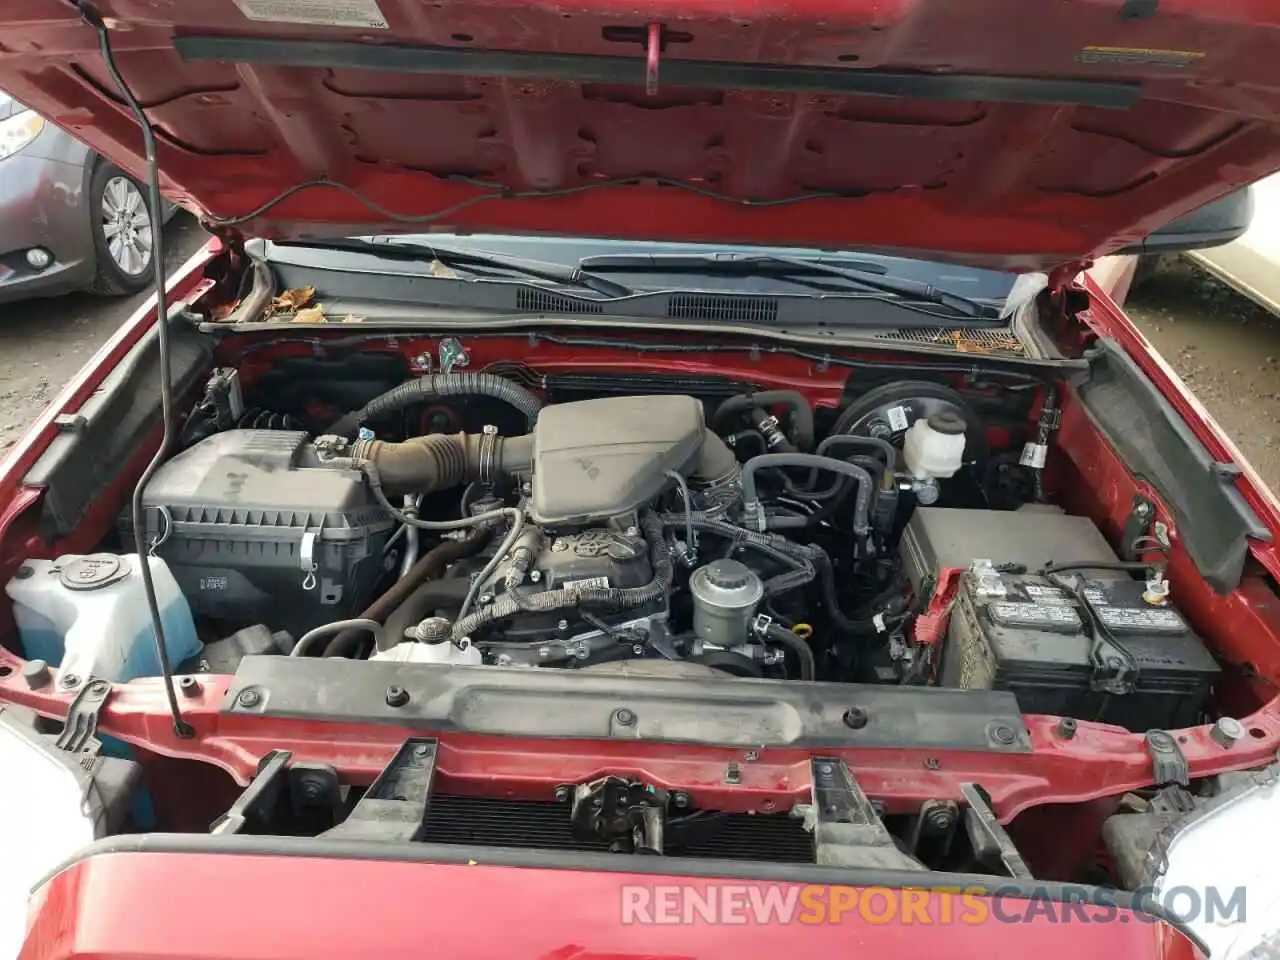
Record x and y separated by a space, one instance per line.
139 904
1016 132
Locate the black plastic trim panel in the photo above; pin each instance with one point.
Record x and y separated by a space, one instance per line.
110 427
1213 519
338 54
580 705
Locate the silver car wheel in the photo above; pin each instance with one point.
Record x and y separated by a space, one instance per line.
126 225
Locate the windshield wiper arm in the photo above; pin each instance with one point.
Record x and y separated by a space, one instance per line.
414 250
865 273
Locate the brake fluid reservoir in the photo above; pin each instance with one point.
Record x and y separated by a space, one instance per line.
87 615
934 447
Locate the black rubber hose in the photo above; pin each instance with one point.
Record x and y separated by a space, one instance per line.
878 444
801 413
441 461
778 549
891 603
1126 566
737 440
441 385
861 504
793 642
430 565
839 488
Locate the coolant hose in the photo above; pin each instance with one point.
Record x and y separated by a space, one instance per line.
613 598
755 510
795 643
430 565
801 412
441 385
783 551
310 638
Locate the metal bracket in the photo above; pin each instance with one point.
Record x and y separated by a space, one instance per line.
1138 524
1167 762
79 733
989 839
453 355
394 808
847 829
255 804
307 559
631 816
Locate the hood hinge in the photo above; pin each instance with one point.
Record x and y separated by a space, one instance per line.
1064 275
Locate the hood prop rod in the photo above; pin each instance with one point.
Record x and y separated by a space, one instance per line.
94 19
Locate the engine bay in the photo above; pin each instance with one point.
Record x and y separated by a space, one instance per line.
919 593
708 528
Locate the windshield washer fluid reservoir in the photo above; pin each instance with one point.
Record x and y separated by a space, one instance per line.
934 447
87 615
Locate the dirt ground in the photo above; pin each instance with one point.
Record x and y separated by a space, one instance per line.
44 342
1223 346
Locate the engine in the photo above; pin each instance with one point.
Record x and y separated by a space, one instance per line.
459 519
611 528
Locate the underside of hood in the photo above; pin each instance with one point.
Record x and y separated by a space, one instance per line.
1020 133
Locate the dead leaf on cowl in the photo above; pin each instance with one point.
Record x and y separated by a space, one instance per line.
352 318
438 269
224 310
294 299
309 315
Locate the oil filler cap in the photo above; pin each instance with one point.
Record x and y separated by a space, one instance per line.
93 572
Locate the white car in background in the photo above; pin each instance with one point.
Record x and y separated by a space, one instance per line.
1235 238
1251 264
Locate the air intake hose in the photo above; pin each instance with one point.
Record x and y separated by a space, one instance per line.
441 385
440 461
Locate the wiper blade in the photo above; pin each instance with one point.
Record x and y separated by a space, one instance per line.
415 250
865 273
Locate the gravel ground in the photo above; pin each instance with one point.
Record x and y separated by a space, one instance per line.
43 343
1224 347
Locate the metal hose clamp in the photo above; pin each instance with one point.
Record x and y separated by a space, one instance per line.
489 444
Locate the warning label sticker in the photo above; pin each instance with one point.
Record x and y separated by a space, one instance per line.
1052 616
329 13
1139 56
1129 618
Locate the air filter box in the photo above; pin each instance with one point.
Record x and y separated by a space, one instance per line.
255 530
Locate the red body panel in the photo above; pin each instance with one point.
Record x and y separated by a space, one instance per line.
957 171
142 905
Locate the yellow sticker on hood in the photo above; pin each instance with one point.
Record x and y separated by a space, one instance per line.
1138 56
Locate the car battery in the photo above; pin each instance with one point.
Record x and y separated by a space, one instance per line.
1098 651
